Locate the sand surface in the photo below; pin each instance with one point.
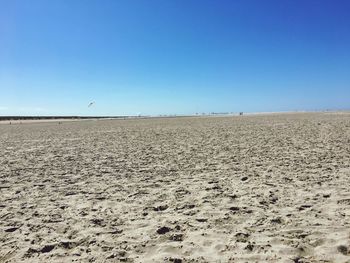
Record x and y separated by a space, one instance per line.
269 188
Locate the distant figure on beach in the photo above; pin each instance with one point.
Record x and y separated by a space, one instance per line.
241 114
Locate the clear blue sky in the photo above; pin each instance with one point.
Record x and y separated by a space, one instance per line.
173 56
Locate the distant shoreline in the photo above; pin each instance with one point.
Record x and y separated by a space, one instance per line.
9 118
26 119
36 119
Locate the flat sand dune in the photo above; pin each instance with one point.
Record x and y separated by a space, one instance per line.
267 188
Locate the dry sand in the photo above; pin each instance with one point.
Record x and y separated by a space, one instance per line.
270 188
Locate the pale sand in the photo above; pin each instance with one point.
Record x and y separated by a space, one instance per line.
270 188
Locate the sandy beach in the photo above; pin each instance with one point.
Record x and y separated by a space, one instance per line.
266 188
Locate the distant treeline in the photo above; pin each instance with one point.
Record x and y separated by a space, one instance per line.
10 118
14 118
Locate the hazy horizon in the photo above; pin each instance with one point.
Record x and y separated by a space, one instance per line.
173 57
179 115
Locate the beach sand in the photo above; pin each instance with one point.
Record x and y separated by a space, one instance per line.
267 188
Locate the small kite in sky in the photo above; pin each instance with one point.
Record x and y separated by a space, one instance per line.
90 104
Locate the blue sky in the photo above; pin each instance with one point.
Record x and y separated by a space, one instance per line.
173 56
